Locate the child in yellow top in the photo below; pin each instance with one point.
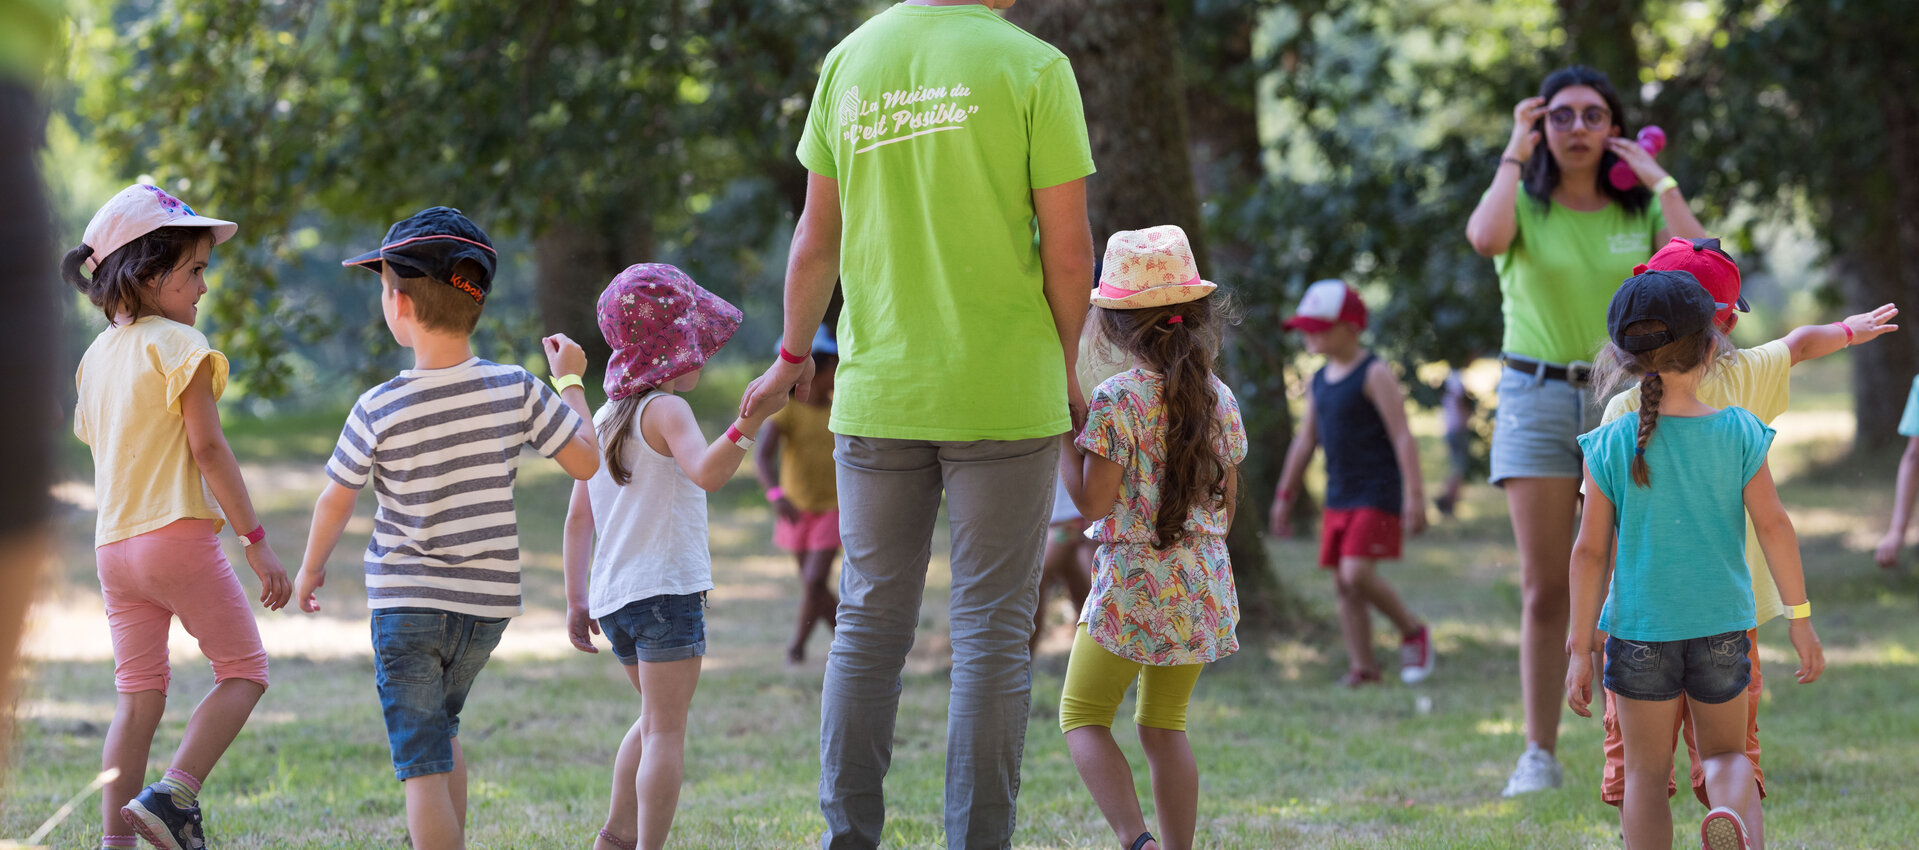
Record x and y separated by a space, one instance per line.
147 407
1756 379
794 463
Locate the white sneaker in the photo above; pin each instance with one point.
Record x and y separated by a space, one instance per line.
1537 771
1723 830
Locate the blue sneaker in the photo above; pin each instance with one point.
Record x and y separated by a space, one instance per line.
161 822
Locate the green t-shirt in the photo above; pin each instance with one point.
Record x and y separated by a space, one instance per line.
30 34
938 123
1558 277
1679 571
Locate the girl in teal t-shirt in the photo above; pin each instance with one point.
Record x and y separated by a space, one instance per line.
1680 602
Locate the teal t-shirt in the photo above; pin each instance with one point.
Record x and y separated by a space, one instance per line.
1680 570
1909 423
938 123
1561 271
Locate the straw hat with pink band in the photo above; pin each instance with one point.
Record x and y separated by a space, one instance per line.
139 210
1149 268
661 325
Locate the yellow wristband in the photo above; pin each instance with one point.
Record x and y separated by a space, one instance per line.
1800 611
1667 182
561 382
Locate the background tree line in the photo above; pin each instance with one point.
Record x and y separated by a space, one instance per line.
1293 141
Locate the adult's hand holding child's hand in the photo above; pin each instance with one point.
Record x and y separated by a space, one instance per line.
778 380
563 355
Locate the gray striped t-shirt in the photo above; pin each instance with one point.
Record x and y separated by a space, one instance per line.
442 447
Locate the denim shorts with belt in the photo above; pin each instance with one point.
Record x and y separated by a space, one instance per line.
1543 408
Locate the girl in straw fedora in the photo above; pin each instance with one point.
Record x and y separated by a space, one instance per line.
1157 464
635 548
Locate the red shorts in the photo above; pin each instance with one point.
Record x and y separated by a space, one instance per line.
1612 781
812 532
1357 533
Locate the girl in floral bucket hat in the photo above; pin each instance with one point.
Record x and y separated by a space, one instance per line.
635 548
1158 461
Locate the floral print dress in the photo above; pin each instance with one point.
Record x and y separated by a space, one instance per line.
1157 607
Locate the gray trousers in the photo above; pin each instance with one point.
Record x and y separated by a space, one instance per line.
999 495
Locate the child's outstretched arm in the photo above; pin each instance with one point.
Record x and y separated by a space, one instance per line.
330 515
1776 539
1887 552
1382 389
208 443
1305 442
670 420
576 558
580 457
1811 342
1591 567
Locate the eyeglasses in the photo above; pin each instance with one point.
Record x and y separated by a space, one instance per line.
1594 117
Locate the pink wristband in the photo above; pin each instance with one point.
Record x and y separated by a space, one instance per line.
1848 329
258 534
775 494
789 356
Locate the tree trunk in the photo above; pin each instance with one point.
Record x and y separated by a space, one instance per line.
1122 53
575 258
1599 34
1877 266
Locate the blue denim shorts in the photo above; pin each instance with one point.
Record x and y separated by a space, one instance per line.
668 627
425 661
1711 669
1537 425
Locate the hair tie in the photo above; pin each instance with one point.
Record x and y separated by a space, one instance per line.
1639 451
1175 319
1652 373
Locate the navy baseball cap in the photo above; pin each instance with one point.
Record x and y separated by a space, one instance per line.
428 243
1673 297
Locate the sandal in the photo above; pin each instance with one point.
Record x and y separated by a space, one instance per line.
1357 678
1141 841
617 841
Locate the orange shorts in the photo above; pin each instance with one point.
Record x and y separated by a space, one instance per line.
1357 533
1612 784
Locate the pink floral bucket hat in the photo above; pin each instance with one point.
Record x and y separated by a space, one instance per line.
661 325
1149 268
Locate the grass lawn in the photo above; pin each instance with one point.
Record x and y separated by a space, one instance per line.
1287 758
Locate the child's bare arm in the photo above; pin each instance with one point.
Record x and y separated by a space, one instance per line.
576 560
1382 389
1590 568
1305 441
1232 495
580 457
1811 342
1776 538
1092 480
670 420
330 515
208 443
1904 487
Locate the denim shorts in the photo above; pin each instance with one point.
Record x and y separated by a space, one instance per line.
1711 669
425 661
668 627
1537 425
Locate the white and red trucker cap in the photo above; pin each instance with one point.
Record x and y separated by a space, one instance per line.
1327 303
139 210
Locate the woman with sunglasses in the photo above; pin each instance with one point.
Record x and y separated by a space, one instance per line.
1561 247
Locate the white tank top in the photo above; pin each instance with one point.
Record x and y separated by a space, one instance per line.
650 535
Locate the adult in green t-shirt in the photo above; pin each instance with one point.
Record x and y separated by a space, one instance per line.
947 155
1561 248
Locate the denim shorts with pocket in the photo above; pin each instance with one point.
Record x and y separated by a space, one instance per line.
668 627
1537 425
425 661
1711 669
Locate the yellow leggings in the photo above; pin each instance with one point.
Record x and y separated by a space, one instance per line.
1096 681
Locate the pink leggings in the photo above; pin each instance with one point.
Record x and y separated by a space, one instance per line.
176 571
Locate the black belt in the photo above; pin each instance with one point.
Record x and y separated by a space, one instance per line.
1578 374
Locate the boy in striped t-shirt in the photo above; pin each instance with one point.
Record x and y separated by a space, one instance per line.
441 444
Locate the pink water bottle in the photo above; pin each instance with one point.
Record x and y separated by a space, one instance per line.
1653 140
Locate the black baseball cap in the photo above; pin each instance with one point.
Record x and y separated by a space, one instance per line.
428 243
1672 297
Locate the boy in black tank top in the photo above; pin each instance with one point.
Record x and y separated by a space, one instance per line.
1373 486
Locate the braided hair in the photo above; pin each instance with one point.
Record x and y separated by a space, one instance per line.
1680 355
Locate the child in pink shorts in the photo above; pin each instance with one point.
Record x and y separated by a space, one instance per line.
1373 488
148 387
794 462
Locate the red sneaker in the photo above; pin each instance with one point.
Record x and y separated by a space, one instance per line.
1416 657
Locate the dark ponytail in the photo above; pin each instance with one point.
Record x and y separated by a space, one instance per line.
1651 390
620 428
1180 342
1680 355
116 284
